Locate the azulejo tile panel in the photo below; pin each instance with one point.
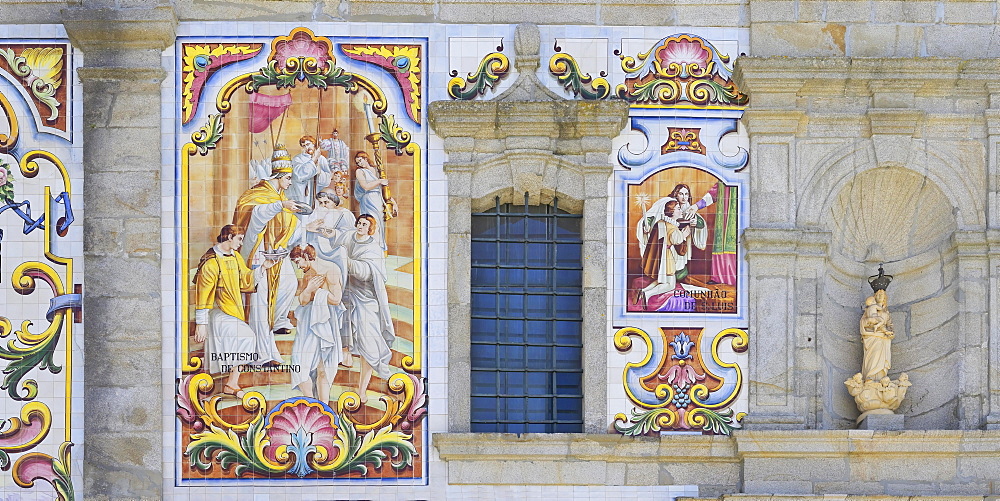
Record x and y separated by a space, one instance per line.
678 278
299 204
41 275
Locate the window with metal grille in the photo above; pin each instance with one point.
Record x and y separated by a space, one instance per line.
527 287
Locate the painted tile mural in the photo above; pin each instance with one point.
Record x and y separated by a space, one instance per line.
41 274
299 227
679 205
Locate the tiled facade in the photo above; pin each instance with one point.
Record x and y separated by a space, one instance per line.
318 166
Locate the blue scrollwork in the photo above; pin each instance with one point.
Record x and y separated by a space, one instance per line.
25 214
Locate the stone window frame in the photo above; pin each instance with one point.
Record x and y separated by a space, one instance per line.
547 149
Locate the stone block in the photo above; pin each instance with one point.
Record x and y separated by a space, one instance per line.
142 236
932 313
977 41
512 12
296 10
372 10
797 39
911 489
124 409
121 318
751 486
848 11
122 362
126 277
125 111
904 11
528 472
528 143
879 40
769 11
459 216
125 451
489 146
797 469
595 222
595 264
123 483
140 68
811 11
851 487
882 422
637 13
719 473
979 467
963 487
118 151
729 14
903 468
122 194
103 236
958 12
45 12
599 144
459 143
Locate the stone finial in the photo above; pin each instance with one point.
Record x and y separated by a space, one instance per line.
527 42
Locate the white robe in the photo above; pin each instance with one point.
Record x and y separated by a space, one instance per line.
287 284
665 281
371 202
304 171
318 338
339 219
227 334
371 332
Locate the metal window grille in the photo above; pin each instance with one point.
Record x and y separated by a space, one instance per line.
527 351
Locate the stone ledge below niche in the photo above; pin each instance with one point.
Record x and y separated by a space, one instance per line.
804 463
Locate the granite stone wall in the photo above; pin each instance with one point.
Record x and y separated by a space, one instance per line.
845 94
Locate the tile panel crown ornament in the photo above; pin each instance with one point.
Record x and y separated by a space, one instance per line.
679 69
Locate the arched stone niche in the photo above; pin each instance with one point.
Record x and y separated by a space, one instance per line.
902 218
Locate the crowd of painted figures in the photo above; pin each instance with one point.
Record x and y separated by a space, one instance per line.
297 215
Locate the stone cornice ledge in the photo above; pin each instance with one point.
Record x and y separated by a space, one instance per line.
96 29
554 119
791 74
744 444
840 443
584 447
786 241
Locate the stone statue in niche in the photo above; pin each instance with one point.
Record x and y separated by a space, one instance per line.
873 391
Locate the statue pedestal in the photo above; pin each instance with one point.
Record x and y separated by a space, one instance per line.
882 422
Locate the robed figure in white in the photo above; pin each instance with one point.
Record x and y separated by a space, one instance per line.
320 321
371 332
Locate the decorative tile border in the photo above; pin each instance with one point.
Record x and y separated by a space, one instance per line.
41 253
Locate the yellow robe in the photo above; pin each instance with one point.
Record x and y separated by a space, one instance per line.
219 282
275 235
